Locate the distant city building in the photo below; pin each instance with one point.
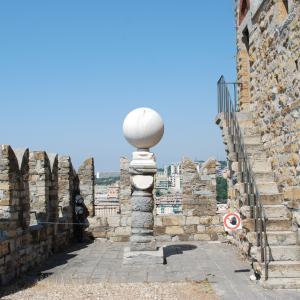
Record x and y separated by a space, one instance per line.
176 183
162 182
166 170
169 204
113 191
175 169
107 199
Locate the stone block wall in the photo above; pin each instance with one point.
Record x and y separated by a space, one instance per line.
274 83
36 207
188 228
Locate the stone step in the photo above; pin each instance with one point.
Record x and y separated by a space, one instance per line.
282 237
278 253
252 140
256 155
277 211
272 224
267 199
281 269
275 238
263 177
253 149
260 165
259 155
267 188
284 253
279 224
249 131
281 283
242 116
245 124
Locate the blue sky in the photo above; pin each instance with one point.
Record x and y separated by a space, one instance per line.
71 70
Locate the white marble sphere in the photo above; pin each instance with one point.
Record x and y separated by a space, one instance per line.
143 128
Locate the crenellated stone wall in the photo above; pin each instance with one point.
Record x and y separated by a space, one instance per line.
36 206
199 220
115 227
37 192
199 189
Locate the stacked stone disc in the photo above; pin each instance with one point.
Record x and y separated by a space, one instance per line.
142 220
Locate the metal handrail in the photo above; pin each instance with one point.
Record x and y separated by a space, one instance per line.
229 110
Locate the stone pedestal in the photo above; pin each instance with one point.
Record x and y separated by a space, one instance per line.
143 128
143 248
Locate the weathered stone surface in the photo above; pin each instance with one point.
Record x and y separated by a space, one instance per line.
86 184
173 220
113 221
292 193
159 230
215 229
142 202
201 228
174 230
205 220
125 187
199 189
148 245
192 220
142 220
158 221
202 237
189 230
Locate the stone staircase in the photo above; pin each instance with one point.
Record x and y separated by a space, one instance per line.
281 249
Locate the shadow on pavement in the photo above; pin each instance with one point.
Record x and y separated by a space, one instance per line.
177 249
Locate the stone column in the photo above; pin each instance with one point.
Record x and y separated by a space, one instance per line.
142 170
143 128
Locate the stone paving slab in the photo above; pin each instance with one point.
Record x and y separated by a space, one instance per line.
186 261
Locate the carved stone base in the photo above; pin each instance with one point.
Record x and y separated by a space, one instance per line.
140 246
143 257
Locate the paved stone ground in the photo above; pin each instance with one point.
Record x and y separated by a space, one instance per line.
219 263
